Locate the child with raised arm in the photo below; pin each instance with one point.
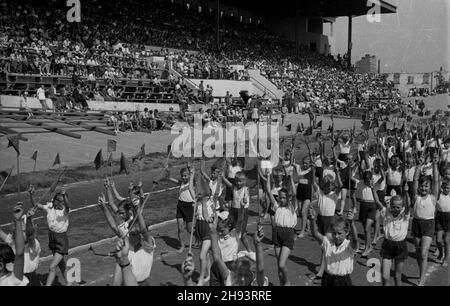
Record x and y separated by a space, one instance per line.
215 184
58 223
239 206
239 271
32 248
185 206
368 206
425 194
394 248
205 213
443 222
304 191
338 251
141 243
283 232
7 256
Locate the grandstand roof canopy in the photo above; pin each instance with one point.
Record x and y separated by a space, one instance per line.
323 8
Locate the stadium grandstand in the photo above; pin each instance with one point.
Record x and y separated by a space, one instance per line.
162 54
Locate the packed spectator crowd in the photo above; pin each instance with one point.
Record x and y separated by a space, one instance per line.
109 44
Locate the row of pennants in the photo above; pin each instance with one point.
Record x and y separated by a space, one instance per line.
99 162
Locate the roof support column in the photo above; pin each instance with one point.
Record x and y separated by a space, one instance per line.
349 45
217 26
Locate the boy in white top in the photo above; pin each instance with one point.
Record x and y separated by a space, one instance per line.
7 256
338 251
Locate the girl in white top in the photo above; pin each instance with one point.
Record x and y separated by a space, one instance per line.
7 256
368 205
443 222
185 206
283 232
215 184
425 193
239 205
235 273
396 221
338 251
394 176
58 222
264 170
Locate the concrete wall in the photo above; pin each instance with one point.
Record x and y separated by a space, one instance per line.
220 87
15 101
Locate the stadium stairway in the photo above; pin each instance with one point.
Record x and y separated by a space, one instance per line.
262 85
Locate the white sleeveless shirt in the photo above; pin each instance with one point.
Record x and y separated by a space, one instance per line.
425 207
443 204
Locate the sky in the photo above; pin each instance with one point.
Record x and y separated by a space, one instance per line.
415 39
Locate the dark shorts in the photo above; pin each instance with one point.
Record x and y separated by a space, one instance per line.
346 183
304 192
381 194
443 221
422 228
185 211
215 279
394 250
398 189
324 224
242 227
329 280
319 173
202 230
367 210
58 243
283 237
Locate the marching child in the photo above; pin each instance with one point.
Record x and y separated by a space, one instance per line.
185 206
7 256
283 232
338 251
32 248
394 248
425 194
239 206
58 223
443 222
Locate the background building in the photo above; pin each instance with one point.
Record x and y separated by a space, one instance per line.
367 64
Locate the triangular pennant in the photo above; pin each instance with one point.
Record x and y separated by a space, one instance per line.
57 160
299 129
309 131
34 156
13 141
98 161
289 127
319 125
123 164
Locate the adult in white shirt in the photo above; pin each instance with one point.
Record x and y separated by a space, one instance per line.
41 97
